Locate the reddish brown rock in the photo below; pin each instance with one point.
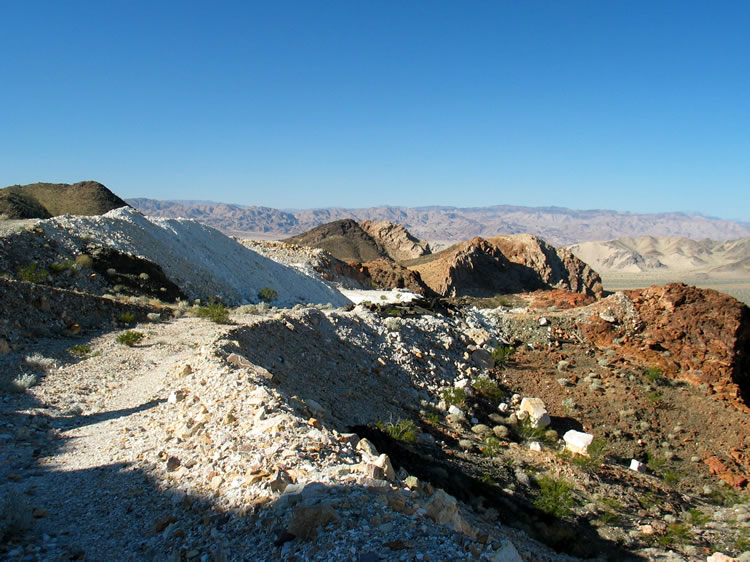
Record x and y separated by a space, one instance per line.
386 274
505 264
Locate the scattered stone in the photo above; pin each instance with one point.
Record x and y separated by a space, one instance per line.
441 507
536 411
506 553
366 446
577 441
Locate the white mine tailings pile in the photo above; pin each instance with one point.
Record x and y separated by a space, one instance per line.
199 259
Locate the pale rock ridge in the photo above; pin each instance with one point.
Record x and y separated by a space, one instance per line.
199 259
397 242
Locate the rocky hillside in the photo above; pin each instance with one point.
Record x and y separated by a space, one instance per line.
509 264
665 254
397 242
557 225
343 239
393 432
44 200
123 252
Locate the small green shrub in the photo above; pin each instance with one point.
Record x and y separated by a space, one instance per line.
60 267
656 463
487 479
402 430
126 318
432 418
214 311
595 458
654 374
528 432
502 354
555 497
130 338
488 388
32 273
491 446
672 477
697 518
727 496
454 397
267 294
84 261
82 351
676 534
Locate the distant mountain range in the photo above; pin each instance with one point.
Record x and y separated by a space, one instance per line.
658 254
556 225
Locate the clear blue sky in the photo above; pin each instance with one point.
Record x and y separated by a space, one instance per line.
638 106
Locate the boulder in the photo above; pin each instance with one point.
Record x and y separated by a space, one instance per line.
577 441
536 411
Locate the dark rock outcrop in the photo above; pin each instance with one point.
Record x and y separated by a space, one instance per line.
134 274
343 239
385 274
45 200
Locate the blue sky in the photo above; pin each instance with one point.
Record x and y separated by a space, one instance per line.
636 106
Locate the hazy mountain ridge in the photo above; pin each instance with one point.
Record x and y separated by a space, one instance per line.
650 253
557 225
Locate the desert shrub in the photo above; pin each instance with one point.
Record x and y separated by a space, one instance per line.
676 534
15 514
595 458
502 354
61 266
528 432
267 294
126 318
84 261
32 273
22 382
130 338
402 430
490 446
653 374
656 463
454 397
488 388
727 496
697 518
555 496
432 418
80 350
40 362
214 311
392 324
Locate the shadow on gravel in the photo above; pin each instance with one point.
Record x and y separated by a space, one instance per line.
467 482
357 387
104 416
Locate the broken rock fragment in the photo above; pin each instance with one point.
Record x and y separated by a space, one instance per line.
536 411
577 441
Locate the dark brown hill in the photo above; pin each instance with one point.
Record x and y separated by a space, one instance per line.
343 239
506 264
45 200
